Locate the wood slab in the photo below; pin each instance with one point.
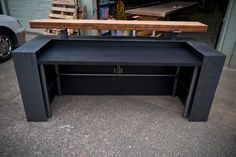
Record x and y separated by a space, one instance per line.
161 10
162 26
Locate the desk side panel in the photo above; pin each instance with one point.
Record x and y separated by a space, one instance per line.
30 86
206 87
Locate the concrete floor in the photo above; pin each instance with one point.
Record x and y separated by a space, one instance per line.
117 125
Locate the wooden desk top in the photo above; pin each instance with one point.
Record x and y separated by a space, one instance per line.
162 26
161 10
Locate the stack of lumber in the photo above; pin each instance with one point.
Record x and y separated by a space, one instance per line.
67 10
160 12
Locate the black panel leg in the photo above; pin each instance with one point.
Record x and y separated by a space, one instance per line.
190 93
30 85
176 81
45 91
206 87
58 80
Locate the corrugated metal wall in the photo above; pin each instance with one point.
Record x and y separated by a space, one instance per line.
26 10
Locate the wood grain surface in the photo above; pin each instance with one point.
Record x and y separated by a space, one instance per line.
162 26
161 10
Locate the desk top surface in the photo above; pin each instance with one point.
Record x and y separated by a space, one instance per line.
118 52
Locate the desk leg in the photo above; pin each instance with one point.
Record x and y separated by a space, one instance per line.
208 79
190 93
173 35
28 76
45 91
64 34
176 81
153 33
58 80
134 33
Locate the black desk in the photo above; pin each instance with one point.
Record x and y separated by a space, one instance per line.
47 67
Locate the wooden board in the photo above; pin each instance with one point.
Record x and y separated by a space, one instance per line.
64 2
163 26
161 10
63 9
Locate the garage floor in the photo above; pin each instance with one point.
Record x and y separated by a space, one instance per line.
117 125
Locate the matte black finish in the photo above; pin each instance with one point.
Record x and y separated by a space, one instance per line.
207 83
27 71
102 85
118 52
30 86
190 92
45 90
117 66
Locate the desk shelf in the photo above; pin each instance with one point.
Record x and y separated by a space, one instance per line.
114 79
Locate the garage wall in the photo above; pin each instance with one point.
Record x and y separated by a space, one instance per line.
3 7
91 6
227 40
26 10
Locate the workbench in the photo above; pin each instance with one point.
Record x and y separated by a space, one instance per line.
161 10
49 66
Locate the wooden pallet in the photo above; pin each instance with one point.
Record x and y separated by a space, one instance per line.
66 9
